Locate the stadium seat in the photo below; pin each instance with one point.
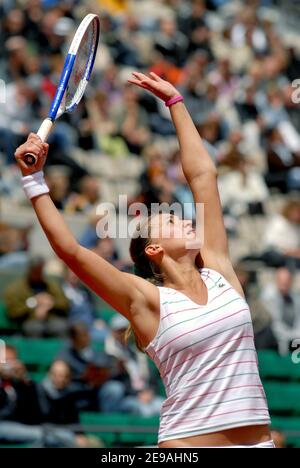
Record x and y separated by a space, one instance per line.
36 353
276 367
6 325
37 376
122 421
98 419
141 438
283 397
10 446
106 314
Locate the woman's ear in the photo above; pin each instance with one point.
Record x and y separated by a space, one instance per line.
153 251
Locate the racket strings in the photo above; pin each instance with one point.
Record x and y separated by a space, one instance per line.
82 66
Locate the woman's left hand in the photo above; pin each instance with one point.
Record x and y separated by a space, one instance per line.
156 85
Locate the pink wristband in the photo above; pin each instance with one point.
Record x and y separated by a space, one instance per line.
174 100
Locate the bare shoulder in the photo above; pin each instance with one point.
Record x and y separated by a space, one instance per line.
145 309
223 265
147 293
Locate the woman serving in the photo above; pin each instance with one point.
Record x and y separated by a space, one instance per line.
186 307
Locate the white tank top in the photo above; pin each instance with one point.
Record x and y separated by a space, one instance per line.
208 363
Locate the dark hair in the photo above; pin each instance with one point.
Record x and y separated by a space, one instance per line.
143 267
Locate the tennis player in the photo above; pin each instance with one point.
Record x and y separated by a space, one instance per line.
194 322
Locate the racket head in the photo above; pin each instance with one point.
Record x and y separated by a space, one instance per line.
78 67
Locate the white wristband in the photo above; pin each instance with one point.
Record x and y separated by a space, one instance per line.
34 185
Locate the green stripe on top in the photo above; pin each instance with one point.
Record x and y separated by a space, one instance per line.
212 360
220 378
198 316
204 339
214 404
175 302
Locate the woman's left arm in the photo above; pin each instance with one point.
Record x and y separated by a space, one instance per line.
201 175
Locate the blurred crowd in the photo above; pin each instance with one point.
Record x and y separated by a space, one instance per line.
116 379
234 62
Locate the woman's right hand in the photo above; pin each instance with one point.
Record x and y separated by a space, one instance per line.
156 85
35 146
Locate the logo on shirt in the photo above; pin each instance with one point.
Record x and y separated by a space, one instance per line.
221 285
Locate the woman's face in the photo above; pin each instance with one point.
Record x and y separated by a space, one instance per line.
176 236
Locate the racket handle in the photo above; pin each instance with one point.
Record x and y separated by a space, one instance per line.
43 133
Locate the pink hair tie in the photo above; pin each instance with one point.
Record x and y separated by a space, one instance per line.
174 100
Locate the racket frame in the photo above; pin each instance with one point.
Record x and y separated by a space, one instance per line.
56 110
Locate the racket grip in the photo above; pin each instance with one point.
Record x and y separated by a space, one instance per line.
43 133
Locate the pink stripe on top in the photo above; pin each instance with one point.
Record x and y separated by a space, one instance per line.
207 359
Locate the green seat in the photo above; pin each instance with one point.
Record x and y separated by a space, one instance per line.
283 397
37 376
103 310
99 419
98 346
5 323
288 425
36 352
106 314
141 437
122 421
274 366
40 352
16 446
105 419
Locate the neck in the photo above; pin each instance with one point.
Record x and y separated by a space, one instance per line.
181 274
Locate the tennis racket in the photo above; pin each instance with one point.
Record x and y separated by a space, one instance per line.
75 76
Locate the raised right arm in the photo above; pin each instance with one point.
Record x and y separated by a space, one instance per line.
99 275
126 293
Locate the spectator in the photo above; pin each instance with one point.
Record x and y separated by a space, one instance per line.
283 164
248 30
59 183
106 249
24 407
261 317
283 303
36 303
87 198
14 120
58 407
17 392
18 408
282 237
55 396
91 372
103 127
133 126
242 188
13 247
133 373
82 307
170 42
